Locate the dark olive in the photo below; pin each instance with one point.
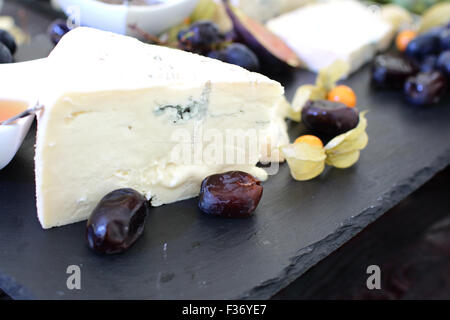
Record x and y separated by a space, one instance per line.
117 221
423 45
425 88
201 37
5 54
57 29
238 54
443 63
8 40
444 39
391 71
329 117
232 194
429 64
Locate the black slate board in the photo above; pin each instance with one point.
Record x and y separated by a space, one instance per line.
186 255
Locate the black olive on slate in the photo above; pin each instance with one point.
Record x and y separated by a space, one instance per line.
117 221
429 64
391 71
443 63
425 88
423 45
233 194
329 117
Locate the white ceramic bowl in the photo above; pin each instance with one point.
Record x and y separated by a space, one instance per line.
154 19
11 138
18 83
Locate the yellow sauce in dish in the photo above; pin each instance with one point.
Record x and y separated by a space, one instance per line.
9 109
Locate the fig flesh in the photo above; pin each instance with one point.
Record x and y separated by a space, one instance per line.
269 48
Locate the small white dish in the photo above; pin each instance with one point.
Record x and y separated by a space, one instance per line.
11 138
154 18
19 86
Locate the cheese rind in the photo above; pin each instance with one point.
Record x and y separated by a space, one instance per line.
154 119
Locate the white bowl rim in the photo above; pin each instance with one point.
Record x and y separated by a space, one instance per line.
19 130
17 123
20 121
141 8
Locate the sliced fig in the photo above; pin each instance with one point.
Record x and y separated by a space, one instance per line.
265 44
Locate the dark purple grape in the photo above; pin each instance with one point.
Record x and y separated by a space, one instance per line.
8 40
444 39
428 64
443 63
232 36
117 221
218 55
57 30
435 31
391 71
329 117
201 37
423 45
425 88
233 194
242 56
5 54
239 55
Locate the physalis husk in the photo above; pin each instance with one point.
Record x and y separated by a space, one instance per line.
329 76
7 23
343 151
205 10
303 94
305 161
397 16
436 15
326 80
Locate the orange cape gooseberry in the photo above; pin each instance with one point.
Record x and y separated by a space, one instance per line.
403 39
343 94
309 139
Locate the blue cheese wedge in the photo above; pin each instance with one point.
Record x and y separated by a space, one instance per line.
333 30
120 113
